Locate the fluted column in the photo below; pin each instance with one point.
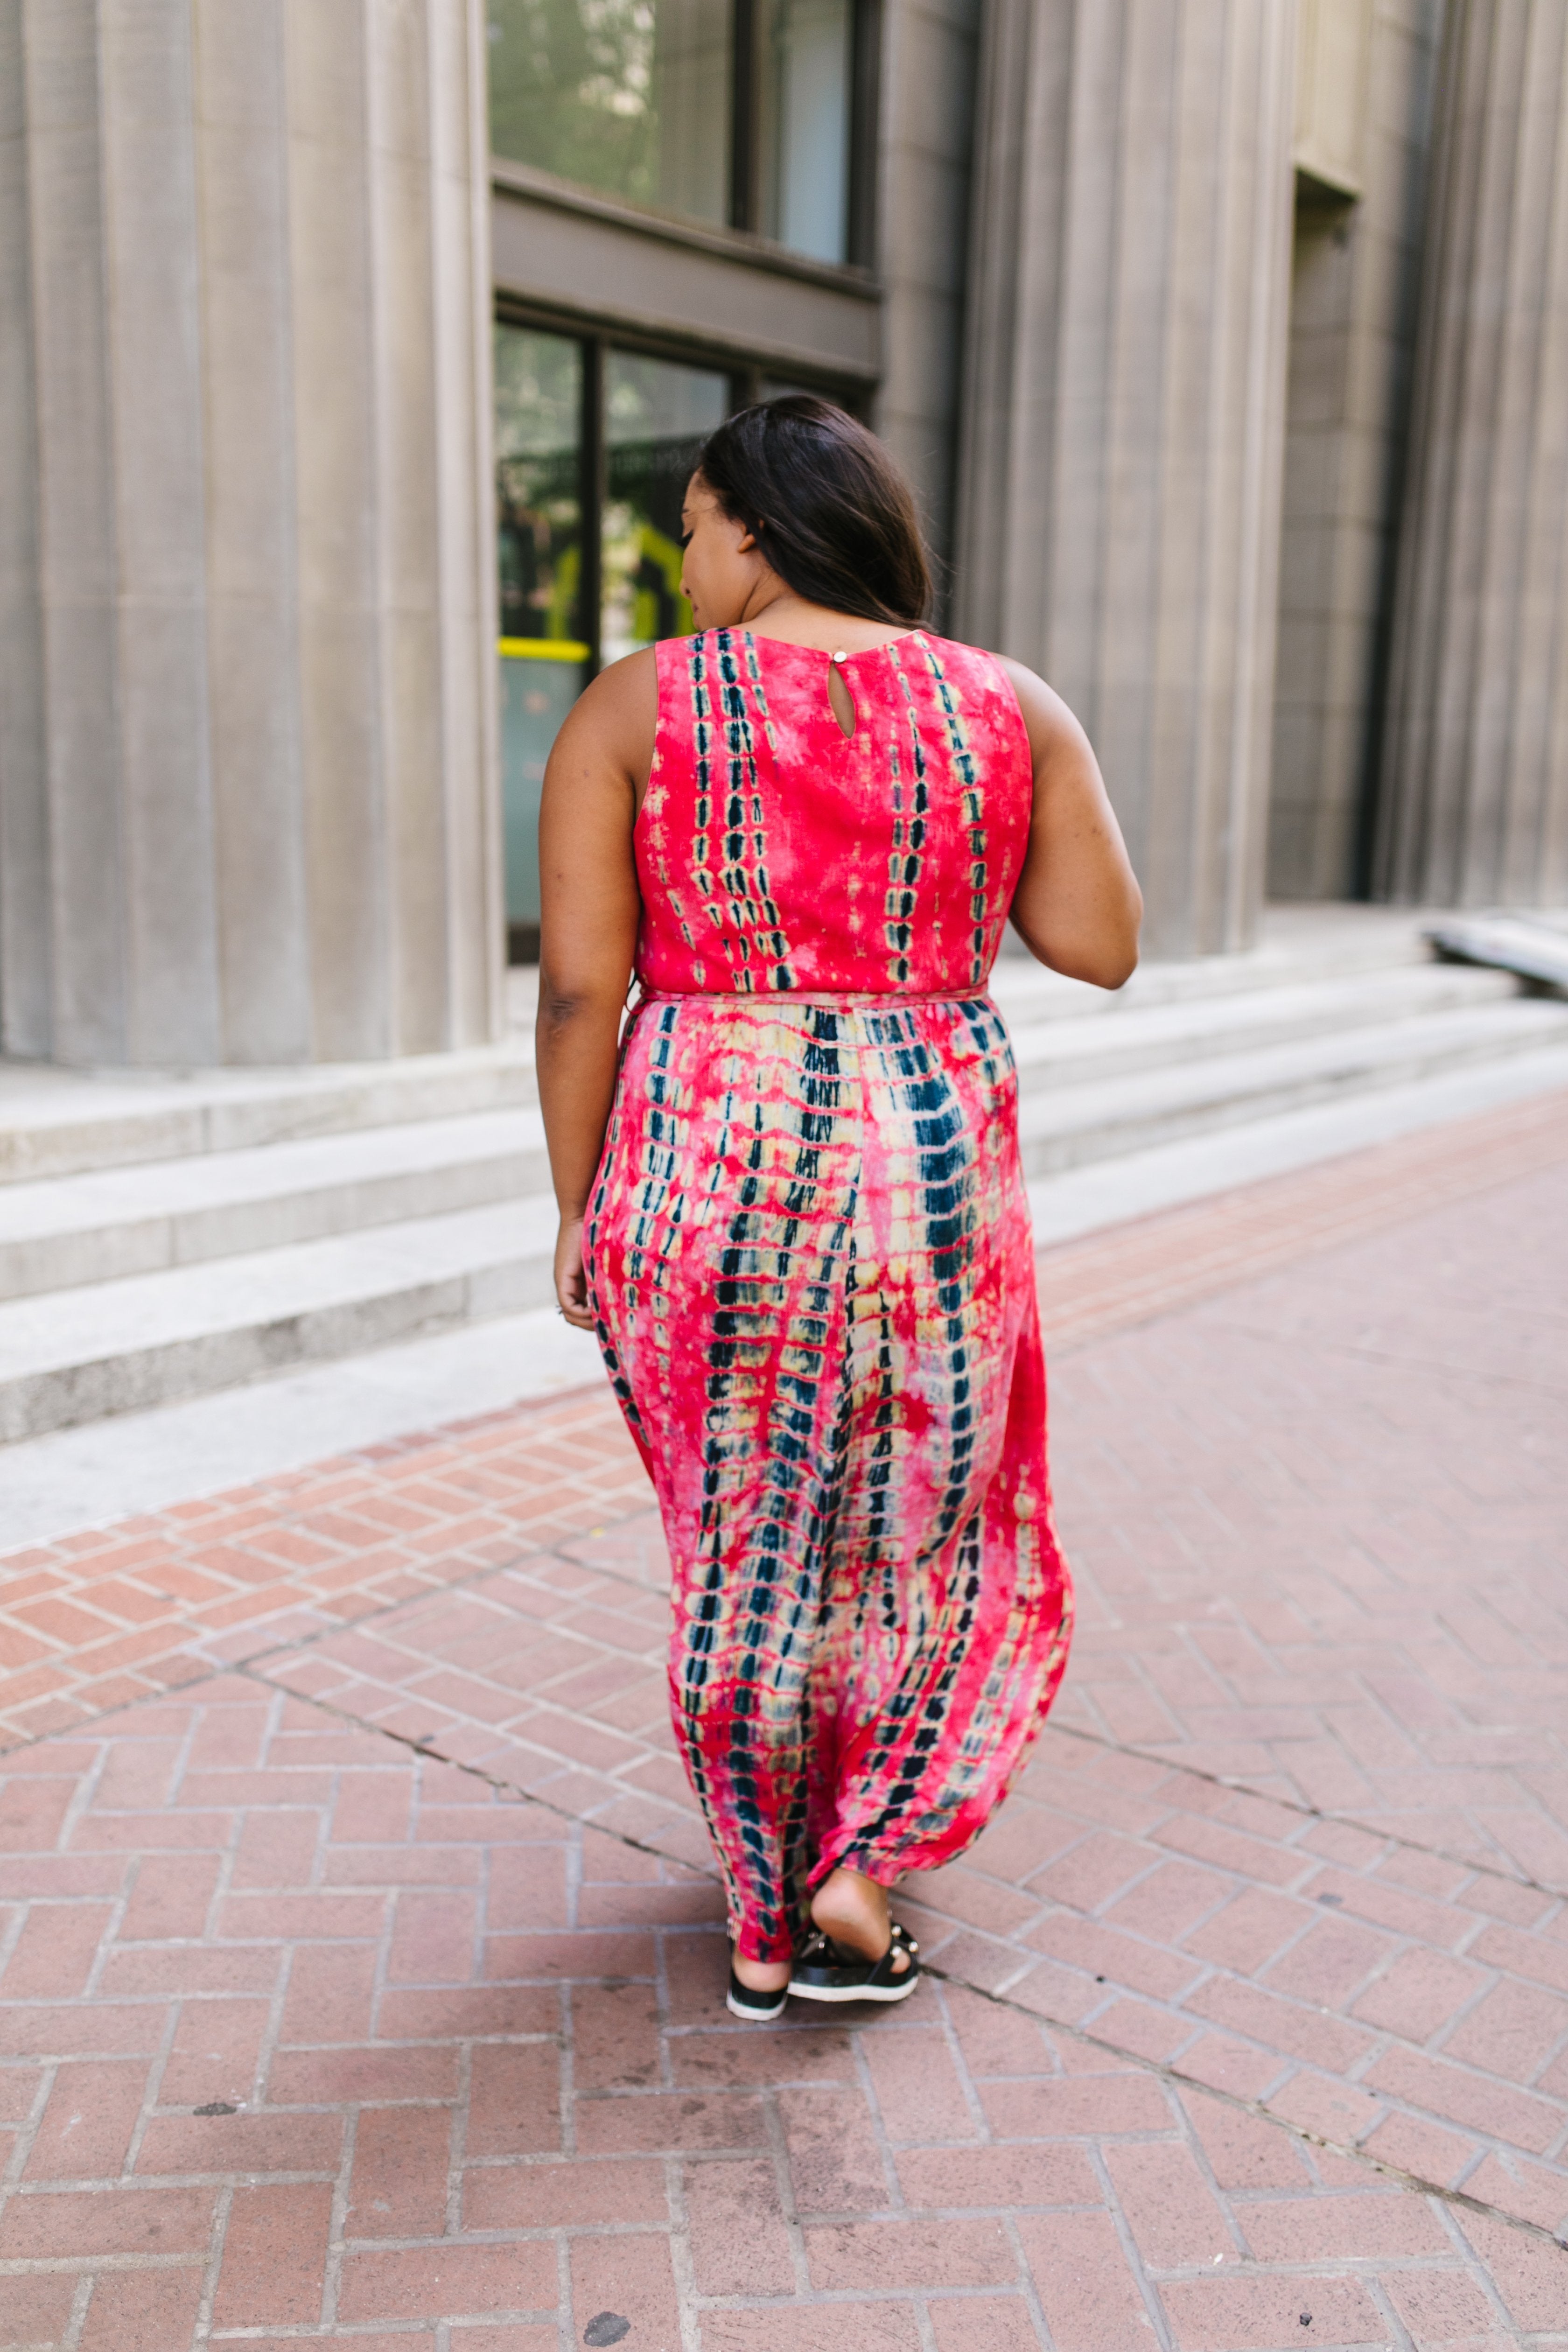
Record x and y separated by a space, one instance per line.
248 815
1474 802
1121 474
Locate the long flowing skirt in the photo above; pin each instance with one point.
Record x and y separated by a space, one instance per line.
810 1253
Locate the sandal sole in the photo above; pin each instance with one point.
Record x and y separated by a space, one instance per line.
755 2016
858 1993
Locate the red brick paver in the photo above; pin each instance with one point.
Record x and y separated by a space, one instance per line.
96 1619
298 2112
371 1993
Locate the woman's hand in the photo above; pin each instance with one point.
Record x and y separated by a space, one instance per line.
570 1277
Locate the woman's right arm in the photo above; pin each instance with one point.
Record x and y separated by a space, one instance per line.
1078 906
588 929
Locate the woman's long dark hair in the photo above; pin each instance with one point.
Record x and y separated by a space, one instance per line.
829 509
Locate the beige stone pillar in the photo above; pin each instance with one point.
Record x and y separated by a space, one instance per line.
1474 803
1353 334
1121 492
929 54
248 807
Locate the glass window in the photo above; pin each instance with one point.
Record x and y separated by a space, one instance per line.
539 442
630 96
544 650
803 131
589 562
656 418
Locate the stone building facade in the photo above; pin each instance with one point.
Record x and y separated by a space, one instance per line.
348 340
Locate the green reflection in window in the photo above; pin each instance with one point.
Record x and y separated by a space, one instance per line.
535 697
656 417
631 97
539 492
539 546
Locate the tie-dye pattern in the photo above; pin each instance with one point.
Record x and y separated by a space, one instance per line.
810 1255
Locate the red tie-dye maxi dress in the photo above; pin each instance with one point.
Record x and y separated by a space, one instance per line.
810 1253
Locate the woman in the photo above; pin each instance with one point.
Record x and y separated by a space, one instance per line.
795 1218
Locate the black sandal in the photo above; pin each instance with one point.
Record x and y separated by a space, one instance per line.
745 2000
825 1970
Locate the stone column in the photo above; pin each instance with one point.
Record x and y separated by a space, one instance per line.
1474 803
929 54
1355 298
1121 496
249 813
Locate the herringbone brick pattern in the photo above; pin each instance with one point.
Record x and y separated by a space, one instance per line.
1252 1945
309 2037
99 1618
371 1993
1318 1524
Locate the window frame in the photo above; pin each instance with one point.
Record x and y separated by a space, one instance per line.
745 205
745 131
595 339
746 377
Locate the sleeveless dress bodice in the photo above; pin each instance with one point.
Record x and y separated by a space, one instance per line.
777 855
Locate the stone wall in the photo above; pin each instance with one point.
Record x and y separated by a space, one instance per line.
1356 277
1474 794
1126 353
930 54
247 756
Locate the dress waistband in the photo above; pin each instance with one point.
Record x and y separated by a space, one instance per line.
845 1000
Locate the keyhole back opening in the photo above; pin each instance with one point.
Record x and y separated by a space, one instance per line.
842 700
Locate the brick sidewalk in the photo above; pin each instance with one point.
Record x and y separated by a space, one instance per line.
368 1991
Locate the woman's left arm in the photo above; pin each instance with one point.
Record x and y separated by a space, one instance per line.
589 908
1078 906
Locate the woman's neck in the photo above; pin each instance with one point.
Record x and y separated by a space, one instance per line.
796 621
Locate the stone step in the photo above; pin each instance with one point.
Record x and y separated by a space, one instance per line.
56 1123
60 1232
1299 945
1055 1052
72 1478
1102 1118
76 1356
105 1224
1167 1174
101 1226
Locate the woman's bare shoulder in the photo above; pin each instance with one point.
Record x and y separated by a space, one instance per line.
614 717
630 683
1050 722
